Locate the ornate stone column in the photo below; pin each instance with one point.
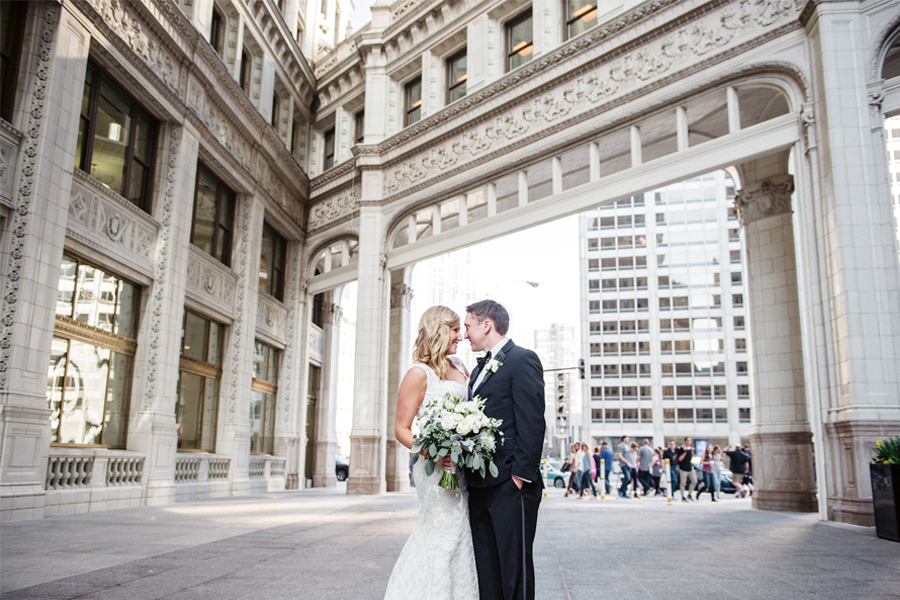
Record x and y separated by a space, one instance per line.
855 244
53 67
367 438
780 437
397 463
326 411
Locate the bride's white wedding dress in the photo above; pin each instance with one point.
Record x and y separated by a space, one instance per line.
438 561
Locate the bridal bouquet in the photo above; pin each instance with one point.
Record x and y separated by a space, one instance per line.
451 424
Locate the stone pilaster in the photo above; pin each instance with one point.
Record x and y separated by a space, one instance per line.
233 430
291 393
54 57
859 306
397 456
152 429
780 436
367 438
326 439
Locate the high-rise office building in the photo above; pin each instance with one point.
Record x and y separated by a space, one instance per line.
558 348
663 318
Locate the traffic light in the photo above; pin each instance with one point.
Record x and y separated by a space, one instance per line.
581 368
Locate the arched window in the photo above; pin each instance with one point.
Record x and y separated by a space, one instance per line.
891 66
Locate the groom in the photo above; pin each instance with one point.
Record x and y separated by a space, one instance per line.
503 510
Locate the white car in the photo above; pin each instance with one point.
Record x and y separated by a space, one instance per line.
551 473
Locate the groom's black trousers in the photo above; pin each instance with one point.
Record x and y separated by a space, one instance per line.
503 520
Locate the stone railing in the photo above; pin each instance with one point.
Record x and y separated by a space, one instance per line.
90 479
200 467
79 468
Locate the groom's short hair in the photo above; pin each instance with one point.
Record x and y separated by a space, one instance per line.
488 309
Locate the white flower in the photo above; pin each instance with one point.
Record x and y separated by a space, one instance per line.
493 365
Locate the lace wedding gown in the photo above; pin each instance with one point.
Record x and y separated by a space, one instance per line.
437 562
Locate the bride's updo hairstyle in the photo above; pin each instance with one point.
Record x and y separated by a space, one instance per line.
433 340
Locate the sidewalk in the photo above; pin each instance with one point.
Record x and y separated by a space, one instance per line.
321 544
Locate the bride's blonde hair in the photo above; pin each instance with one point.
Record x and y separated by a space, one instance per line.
433 340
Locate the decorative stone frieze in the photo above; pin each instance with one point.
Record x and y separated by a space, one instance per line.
401 295
238 330
210 282
714 33
294 298
104 220
121 19
334 208
271 317
760 200
18 228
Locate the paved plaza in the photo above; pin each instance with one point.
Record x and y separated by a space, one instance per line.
321 544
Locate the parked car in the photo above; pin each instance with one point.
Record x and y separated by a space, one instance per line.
552 475
341 468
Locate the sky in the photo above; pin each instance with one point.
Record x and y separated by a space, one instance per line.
361 13
546 254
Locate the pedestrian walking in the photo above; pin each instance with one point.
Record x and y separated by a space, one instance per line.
718 467
597 459
656 470
737 463
573 472
606 455
686 468
588 471
671 453
634 470
706 464
625 464
645 463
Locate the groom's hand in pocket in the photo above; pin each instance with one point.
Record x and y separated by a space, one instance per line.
519 483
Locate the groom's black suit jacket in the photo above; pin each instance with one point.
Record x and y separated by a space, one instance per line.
515 394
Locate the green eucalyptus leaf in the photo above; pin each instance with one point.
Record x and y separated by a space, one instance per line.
429 468
494 470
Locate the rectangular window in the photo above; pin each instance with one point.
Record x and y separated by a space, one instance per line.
359 121
519 41
607 222
246 70
276 110
213 221
704 415
611 392
721 415
457 75
628 347
328 145
318 310
596 370
610 305
116 139
743 390
12 27
643 325
596 415
593 285
646 415
263 392
612 414
594 306
744 415
626 305
740 345
741 367
412 92
735 256
608 242
668 415
593 264
685 415
665 302
610 369
91 356
627 326
736 278
646 393
630 415
739 322
595 348
592 243
643 347
197 405
609 284
581 15
610 326
217 30
610 348
272 262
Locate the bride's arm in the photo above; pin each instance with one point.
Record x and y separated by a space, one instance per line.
412 392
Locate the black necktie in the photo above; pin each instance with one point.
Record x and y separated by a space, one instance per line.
483 360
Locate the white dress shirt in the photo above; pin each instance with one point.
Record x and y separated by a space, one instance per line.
484 371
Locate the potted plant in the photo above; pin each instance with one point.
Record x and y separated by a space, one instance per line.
885 472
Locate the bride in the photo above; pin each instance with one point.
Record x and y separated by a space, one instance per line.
437 562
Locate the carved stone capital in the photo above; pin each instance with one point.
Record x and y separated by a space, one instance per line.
808 118
876 99
765 199
401 295
335 312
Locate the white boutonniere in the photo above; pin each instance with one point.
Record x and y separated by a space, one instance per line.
492 365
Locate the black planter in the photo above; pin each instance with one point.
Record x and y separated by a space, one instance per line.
886 498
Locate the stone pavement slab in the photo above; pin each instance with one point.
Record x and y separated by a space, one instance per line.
322 544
